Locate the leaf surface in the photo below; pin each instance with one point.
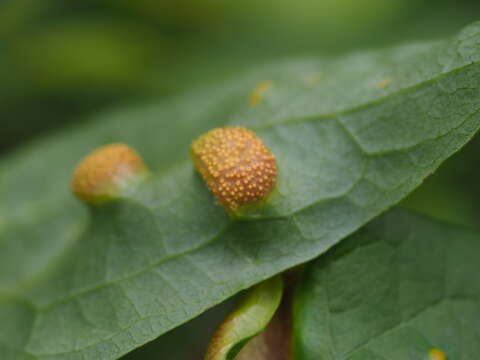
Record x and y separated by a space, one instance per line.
352 136
403 287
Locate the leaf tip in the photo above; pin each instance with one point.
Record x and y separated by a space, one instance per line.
237 167
107 172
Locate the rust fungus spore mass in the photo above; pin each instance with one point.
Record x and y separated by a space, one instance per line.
106 172
236 165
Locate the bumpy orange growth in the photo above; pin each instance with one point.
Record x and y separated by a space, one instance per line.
236 165
436 354
105 172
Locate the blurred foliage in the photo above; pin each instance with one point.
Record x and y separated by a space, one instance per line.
59 58
452 193
62 59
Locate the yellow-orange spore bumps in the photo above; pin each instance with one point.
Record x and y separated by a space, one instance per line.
236 165
106 172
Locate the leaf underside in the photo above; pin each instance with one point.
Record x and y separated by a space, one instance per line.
352 137
398 288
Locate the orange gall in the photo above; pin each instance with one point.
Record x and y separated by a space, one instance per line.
236 165
106 173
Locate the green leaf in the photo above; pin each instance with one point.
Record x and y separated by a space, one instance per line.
397 289
352 136
248 320
187 341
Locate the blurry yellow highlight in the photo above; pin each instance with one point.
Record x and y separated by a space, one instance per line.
384 83
312 79
256 96
436 354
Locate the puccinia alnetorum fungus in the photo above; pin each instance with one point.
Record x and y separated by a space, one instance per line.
106 173
236 165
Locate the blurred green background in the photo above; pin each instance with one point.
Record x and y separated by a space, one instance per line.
61 60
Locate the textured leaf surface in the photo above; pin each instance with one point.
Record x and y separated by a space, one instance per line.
352 136
395 290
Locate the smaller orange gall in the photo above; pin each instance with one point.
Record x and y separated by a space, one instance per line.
236 165
107 172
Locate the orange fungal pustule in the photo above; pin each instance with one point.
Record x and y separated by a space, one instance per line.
106 173
236 165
